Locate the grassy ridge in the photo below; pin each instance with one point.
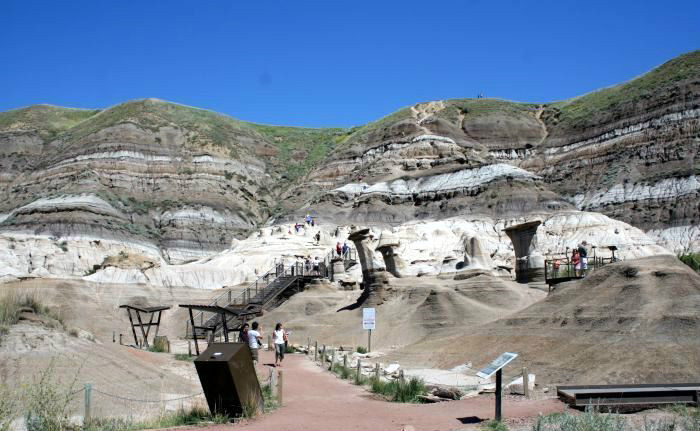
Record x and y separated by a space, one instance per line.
581 110
48 121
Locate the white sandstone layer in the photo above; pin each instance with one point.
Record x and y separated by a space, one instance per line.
466 178
619 193
427 247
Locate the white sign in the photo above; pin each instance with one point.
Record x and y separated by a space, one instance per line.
496 365
368 318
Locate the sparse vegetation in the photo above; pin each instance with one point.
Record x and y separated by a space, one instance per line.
46 402
11 304
192 416
8 407
184 357
590 420
270 401
361 349
494 425
400 391
692 260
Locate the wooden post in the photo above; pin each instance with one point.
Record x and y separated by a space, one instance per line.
269 342
526 383
345 361
376 371
499 393
315 351
323 355
88 401
401 379
279 388
332 359
359 370
271 383
189 348
369 340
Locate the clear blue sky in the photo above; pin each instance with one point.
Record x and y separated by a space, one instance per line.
326 63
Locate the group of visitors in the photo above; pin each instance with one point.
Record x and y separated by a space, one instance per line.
579 258
253 337
308 265
343 249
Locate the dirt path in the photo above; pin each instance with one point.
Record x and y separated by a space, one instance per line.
317 400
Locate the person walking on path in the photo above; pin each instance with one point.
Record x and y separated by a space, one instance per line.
318 237
280 340
346 248
308 219
255 341
338 248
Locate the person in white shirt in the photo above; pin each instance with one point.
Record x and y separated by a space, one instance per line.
255 341
280 338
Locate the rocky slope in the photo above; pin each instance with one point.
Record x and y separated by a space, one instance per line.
180 183
629 151
183 180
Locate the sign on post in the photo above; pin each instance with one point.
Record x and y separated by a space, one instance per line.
368 322
496 367
368 318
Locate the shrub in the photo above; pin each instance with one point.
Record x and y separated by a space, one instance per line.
8 408
46 402
692 260
590 420
494 425
361 349
270 401
400 391
12 302
184 357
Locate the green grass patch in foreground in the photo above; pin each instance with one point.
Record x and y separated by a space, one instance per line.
400 391
692 260
494 425
184 357
192 416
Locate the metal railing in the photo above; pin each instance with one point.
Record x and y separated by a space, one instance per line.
563 268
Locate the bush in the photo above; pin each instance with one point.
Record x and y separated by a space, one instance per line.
184 357
590 420
692 260
12 302
46 402
361 349
8 408
289 349
494 425
400 391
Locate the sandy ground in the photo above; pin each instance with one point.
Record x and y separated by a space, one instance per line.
317 400
126 380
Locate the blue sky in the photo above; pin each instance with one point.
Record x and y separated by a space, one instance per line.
329 63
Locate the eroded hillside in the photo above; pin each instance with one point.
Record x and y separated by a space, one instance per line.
185 181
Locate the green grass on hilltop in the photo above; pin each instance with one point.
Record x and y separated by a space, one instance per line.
581 111
481 107
47 120
301 149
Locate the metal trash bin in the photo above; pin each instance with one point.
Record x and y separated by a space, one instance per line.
228 379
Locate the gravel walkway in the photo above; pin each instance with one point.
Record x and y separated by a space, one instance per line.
317 400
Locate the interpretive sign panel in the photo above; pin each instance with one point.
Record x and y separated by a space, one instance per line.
496 365
368 318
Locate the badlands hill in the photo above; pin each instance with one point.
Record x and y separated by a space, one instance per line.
183 182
